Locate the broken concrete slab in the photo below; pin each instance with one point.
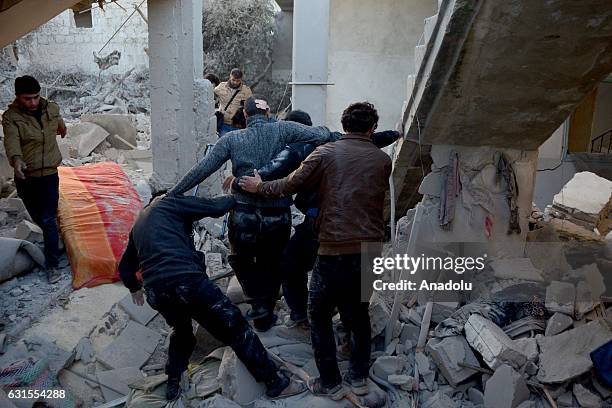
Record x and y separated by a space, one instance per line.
214 264
132 348
384 366
442 310
505 389
560 297
89 137
529 347
410 332
476 396
29 231
116 124
218 401
234 291
574 345
405 382
236 381
516 268
57 357
379 315
117 380
558 323
585 300
566 400
84 351
141 314
586 398
492 343
448 353
439 399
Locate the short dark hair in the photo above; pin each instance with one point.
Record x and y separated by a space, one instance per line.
26 85
299 116
236 73
251 108
213 79
359 117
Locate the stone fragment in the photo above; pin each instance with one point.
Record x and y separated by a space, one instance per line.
405 382
527 404
442 310
236 381
574 346
516 268
379 315
529 347
214 264
218 401
558 323
90 136
448 353
29 231
492 343
505 389
234 291
585 300
117 379
141 314
116 124
384 366
390 350
16 292
3 218
560 297
410 332
586 398
476 396
132 348
439 399
56 357
566 400
84 351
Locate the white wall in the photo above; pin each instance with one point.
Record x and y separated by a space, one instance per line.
283 46
60 45
371 53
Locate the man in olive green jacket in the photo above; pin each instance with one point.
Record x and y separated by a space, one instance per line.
31 124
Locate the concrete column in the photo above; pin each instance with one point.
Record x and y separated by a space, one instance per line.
181 102
310 44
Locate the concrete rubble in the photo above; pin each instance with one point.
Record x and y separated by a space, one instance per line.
505 389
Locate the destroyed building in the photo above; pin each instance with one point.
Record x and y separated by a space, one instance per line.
506 114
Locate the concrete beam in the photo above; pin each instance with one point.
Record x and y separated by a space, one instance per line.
26 15
309 71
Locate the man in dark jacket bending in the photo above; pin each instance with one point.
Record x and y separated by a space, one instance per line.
176 285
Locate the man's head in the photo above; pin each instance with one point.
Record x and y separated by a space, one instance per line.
213 79
253 106
360 117
299 116
235 79
27 92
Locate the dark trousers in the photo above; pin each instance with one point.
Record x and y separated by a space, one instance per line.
298 258
258 237
336 282
40 196
194 296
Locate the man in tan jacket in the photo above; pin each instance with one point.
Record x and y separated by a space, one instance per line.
31 124
350 179
231 94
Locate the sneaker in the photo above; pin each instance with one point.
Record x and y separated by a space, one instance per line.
173 388
283 387
357 386
53 275
290 323
335 393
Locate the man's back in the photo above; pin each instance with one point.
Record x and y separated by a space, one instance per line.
351 194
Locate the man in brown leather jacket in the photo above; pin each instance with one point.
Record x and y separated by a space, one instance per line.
350 176
31 124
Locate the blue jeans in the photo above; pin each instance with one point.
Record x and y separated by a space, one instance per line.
40 196
226 128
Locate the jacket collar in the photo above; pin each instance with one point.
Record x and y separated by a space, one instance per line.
43 105
357 136
256 120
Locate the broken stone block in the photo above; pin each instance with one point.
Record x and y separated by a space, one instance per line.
234 291
218 401
236 381
442 310
425 370
141 314
379 315
3 218
390 349
585 300
505 389
410 332
586 398
118 380
439 399
574 347
492 343
116 124
566 400
384 366
558 323
448 353
560 297
405 382
214 264
516 268
527 404
132 348
84 351
57 357
529 347
90 136
29 231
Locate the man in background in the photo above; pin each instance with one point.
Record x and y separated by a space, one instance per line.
31 124
230 94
